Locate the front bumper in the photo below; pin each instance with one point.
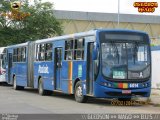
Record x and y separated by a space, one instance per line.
105 92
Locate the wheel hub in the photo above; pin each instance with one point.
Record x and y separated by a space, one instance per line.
40 88
79 91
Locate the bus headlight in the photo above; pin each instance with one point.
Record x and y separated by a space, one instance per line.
106 84
109 85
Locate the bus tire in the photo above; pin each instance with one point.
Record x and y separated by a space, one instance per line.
41 90
79 97
48 92
15 86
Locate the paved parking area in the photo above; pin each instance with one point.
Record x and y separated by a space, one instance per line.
29 102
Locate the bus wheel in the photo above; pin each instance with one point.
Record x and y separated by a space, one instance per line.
79 97
15 86
41 89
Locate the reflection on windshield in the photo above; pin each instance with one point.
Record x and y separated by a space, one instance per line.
125 60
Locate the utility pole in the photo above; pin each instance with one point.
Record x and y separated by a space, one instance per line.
118 13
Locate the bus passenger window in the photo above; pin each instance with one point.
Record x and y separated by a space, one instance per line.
78 55
79 49
48 53
23 55
44 52
69 45
79 44
48 56
68 50
41 56
37 52
42 48
14 55
19 55
41 53
68 55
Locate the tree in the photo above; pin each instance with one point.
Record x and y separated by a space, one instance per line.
27 23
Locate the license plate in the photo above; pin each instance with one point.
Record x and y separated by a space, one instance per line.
126 91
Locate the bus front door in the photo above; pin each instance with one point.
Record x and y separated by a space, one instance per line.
9 67
90 74
58 67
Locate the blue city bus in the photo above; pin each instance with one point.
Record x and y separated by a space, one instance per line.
100 63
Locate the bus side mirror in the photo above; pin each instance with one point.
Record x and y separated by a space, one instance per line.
95 52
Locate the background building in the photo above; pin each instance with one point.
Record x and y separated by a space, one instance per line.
74 21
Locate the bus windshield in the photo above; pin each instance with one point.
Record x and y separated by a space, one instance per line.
125 60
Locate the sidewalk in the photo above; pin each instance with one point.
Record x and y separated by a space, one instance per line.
155 97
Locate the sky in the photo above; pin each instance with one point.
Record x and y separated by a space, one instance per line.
105 6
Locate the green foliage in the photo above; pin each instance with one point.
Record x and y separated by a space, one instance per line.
40 24
153 45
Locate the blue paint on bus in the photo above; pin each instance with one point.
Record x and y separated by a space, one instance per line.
98 63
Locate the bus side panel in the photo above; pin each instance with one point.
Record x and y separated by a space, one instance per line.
9 76
6 75
48 83
21 74
72 70
79 71
45 71
66 80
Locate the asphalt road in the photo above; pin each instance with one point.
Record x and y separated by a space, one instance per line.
29 102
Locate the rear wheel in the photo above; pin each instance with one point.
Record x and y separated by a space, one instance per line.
15 86
79 97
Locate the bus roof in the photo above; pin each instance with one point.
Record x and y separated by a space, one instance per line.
70 36
76 35
87 33
18 45
121 30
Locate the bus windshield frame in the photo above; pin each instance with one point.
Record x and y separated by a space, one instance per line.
125 59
